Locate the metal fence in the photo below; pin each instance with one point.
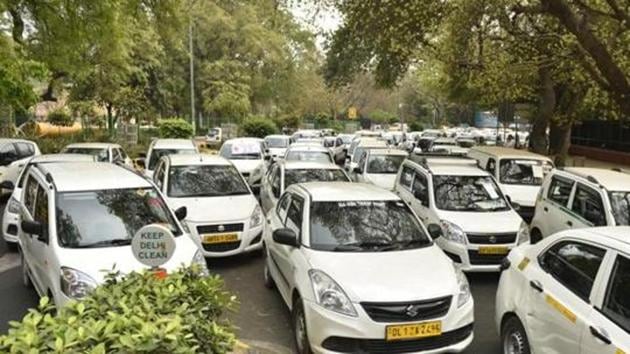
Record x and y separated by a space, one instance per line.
610 135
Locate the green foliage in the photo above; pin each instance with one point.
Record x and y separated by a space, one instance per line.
60 117
177 128
416 126
383 117
137 313
258 127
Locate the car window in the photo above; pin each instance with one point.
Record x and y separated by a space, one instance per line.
275 181
574 265
41 208
468 193
420 188
617 301
620 206
339 142
156 154
7 154
24 150
283 205
491 166
294 215
30 193
560 190
116 155
588 204
406 177
122 153
158 177
384 164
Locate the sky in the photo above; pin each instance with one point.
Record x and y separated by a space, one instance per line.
321 22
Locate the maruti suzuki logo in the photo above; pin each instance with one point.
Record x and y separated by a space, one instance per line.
411 311
221 228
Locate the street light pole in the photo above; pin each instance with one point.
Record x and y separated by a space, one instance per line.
192 73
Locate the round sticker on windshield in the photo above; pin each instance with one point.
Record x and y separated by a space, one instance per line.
153 245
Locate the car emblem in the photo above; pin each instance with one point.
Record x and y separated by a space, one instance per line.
492 239
411 311
221 228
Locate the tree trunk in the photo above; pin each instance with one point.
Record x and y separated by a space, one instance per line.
559 142
111 120
546 106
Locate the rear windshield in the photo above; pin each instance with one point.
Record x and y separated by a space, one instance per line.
384 164
312 156
314 175
523 171
101 154
156 154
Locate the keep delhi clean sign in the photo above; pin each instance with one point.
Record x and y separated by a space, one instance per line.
153 245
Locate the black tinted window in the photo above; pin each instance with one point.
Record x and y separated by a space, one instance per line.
30 193
559 190
406 177
41 208
588 204
573 264
205 181
294 215
617 301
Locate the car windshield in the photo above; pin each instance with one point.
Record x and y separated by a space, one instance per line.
277 142
620 203
310 156
359 226
347 139
245 151
329 143
205 181
156 154
522 171
101 154
313 175
384 164
108 217
213 132
468 193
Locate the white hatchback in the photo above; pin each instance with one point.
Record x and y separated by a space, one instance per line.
223 215
379 167
361 275
249 156
162 147
103 152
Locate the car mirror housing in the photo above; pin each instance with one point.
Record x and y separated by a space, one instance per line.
286 237
32 227
181 213
7 185
435 231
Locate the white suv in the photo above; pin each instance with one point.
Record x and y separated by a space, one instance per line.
581 197
78 219
455 197
223 214
361 275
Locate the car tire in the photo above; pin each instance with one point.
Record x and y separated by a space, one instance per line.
269 283
535 236
302 344
513 337
26 278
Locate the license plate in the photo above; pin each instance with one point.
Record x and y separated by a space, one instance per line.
414 331
221 238
493 250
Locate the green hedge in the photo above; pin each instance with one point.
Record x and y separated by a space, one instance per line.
138 313
258 127
175 128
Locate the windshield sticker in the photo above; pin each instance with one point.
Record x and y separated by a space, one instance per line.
141 192
245 149
489 188
537 171
527 162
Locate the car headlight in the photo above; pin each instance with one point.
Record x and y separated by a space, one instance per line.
200 260
256 218
523 233
463 287
13 206
452 232
76 284
329 294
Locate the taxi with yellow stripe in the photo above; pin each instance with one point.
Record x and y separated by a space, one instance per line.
569 293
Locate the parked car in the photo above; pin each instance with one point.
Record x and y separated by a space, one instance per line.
78 219
250 157
519 173
337 148
463 202
13 155
379 167
277 145
162 147
11 214
358 146
103 152
308 153
568 293
283 174
214 136
360 274
581 197
223 216
447 145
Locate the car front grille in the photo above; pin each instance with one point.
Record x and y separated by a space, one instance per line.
219 228
484 259
492 239
381 346
407 311
221 247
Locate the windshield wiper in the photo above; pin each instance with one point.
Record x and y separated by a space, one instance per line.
113 242
362 246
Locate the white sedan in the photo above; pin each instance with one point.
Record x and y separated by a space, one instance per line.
569 293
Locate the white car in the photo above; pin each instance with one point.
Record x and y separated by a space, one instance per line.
285 173
162 147
249 155
277 145
447 145
568 293
13 155
104 152
578 197
308 153
379 167
358 146
361 275
11 214
336 147
454 196
223 214
78 219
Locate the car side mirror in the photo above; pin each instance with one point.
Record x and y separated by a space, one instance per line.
32 227
286 237
435 231
181 213
7 185
141 162
357 170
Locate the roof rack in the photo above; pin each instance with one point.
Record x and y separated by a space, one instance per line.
441 158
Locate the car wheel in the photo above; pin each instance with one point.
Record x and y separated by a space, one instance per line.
514 338
535 236
269 283
302 343
26 278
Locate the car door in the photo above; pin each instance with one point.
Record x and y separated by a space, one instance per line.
275 221
35 249
587 208
40 247
359 174
265 189
293 221
158 176
559 294
420 193
608 329
554 205
29 193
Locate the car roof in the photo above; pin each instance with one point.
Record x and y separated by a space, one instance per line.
449 166
306 147
11 140
605 234
371 142
501 151
244 140
307 165
173 144
609 179
92 145
278 136
344 191
380 151
50 158
89 176
196 159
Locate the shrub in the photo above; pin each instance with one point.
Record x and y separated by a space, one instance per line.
138 313
60 117
175 128
258 127
416 126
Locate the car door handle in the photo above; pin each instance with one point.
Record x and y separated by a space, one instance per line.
546 209
599 335
535 284
569 223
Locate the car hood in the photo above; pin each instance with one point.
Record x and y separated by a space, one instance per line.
216 209
479 222
95 261
382 180
522 195
411 275
246 166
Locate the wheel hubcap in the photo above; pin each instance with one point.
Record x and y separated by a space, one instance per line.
514 343
300 331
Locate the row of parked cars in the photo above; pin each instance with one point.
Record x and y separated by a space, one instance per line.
373 267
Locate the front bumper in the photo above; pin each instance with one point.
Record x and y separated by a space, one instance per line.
469 257
249 239
330 332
